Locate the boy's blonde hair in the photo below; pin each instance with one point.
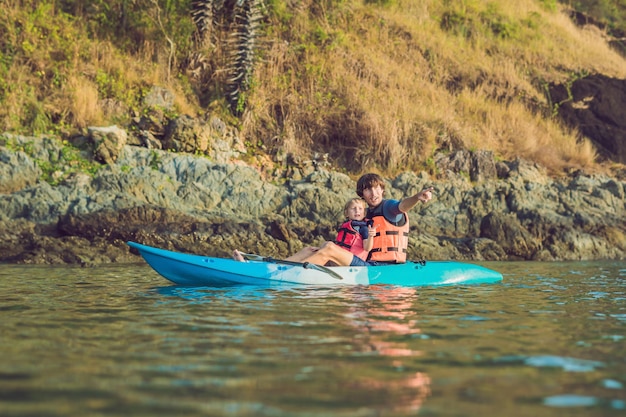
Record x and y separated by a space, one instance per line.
354 200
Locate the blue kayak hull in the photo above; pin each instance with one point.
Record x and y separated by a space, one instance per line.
196 270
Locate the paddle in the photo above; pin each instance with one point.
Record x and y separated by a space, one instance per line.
305 265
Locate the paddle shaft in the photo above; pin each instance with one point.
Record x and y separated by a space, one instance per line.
305 265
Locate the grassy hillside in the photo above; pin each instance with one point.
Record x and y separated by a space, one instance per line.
377 84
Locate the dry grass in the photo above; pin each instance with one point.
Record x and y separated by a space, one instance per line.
512 130
83 102
378 87
386 88
60 80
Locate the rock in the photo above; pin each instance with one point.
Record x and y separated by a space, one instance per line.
192 204
502 170
527 172
483 166
160 98
17 171
278 230
456 162
108 143
509 234
148 140
152 121
225 144
479 165
186 134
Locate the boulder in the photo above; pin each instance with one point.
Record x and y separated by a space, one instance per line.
108 143
186 134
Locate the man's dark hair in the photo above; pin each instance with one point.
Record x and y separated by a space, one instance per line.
368 181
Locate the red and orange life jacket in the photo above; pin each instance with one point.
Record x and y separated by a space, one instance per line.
350 239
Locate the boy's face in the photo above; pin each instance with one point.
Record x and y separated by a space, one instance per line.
373 196
356 211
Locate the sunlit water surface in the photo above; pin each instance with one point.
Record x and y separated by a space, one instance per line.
120 341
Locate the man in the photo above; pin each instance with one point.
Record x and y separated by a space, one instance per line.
390 221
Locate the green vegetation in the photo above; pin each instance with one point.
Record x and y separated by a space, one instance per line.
61 160
155 160
375 84
611 13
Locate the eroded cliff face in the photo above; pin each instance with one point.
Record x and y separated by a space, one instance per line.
482 210
596 106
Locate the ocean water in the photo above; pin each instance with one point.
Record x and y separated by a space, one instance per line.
119 340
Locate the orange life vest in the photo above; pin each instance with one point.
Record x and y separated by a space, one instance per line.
351 240
392 238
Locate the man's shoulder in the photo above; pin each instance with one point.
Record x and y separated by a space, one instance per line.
391 208
390 202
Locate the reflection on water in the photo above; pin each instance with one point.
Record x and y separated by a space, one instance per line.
118 340
379 314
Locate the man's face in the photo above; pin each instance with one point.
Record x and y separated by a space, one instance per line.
373 196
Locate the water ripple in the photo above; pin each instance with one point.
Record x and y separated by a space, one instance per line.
567 364
570 400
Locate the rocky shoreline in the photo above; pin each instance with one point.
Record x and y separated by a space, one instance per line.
482 210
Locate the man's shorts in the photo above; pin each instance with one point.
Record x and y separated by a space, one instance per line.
356 261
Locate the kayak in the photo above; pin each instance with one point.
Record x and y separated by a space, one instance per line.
197 270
